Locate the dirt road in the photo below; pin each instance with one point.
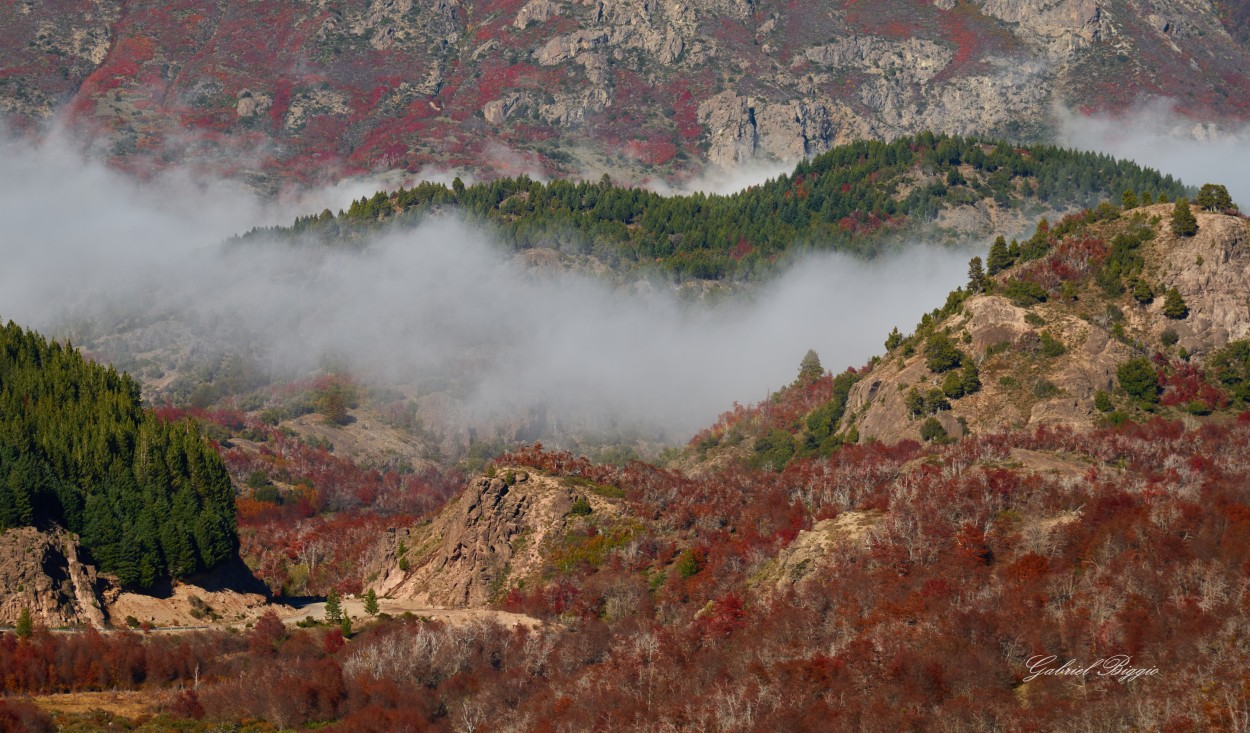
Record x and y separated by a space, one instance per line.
355 607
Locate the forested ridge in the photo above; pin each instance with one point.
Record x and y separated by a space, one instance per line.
854 198
149 499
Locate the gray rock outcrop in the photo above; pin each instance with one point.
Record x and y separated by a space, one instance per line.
41 572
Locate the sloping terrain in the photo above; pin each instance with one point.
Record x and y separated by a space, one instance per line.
1104 316
859 197
500 532
315 91
1027 380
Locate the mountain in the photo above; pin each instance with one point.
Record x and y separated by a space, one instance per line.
1029 513
1054 356
1051 343
314 91
499 532
930 580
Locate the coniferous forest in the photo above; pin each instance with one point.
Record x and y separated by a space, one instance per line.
150 500
854 198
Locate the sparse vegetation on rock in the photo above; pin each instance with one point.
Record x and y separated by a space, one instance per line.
1174 306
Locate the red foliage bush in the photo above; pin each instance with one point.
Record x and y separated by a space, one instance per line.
19 716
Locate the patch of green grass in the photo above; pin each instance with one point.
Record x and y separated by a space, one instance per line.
588 548
605 490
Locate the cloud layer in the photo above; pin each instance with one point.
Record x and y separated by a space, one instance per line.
84 245
1155 134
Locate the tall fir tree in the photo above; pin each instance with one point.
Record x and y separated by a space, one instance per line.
976 275
334 607
810 368
25 624
893 340
999 259
1184 223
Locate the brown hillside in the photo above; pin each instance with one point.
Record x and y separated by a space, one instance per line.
500 531
1021 386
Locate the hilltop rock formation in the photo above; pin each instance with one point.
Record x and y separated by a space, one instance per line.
1019 388
320 90
490 537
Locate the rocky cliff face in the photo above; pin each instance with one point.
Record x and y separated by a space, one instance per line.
316 90
41 572
1021 387
494 535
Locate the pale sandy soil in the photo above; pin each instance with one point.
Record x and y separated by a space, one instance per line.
355 607
232 608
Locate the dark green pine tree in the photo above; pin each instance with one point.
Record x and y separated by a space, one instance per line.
20 482
970 378
145 534
810 368
1142 292
941 354
127 561
334 608
999 259
1214 197
1174 305
1184 224
25 624
893 340
1139 379
177 543
100 530
976 275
